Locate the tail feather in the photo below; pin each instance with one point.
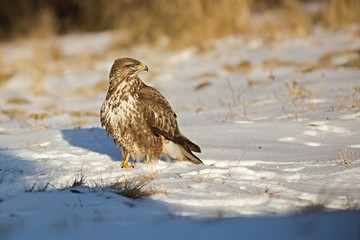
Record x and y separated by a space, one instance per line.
184 141
190 156
179 152
192 146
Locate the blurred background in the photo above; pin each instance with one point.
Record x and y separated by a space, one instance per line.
35 60
184 22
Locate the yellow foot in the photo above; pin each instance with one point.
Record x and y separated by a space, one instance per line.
127 166
126 162
147 158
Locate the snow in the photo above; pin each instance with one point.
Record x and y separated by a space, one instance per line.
271 149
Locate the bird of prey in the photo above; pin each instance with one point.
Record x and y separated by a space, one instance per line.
140 119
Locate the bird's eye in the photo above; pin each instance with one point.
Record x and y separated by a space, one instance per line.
131 65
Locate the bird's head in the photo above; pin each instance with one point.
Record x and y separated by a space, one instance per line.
124 67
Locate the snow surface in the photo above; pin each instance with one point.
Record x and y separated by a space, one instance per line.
272 165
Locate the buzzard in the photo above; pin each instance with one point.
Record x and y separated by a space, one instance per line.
140 119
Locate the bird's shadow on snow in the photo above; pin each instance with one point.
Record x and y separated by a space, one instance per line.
92 139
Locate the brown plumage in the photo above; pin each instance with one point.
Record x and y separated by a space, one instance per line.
140 119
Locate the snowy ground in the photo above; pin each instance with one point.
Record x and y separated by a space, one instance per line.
278 126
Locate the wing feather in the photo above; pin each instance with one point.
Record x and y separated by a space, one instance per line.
161 119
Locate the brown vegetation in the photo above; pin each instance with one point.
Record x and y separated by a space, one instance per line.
244 66
349 101
136 188
326 61
38 116
183 21
347 155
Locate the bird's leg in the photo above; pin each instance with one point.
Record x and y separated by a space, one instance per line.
147 158
126 162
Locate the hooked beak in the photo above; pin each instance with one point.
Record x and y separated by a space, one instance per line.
143 67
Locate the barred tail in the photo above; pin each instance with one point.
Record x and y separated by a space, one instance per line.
189 156
179 152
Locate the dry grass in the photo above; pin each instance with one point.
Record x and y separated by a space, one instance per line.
352 63
206 75
349 101
235 103
205 178
298 91
5 75
301 100
347 155
205 78
45 24
323 62
38 116
319 204
53 110
84 113
275 63
244 66
288 18
189 22
202 86
149 176
270 193
326 61
78 181
198 21
14 112
184 22
36 188
340 13
294 18
78 124
18 101
258 82
134 189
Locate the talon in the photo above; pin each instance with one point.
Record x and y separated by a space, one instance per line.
127 166
126 162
